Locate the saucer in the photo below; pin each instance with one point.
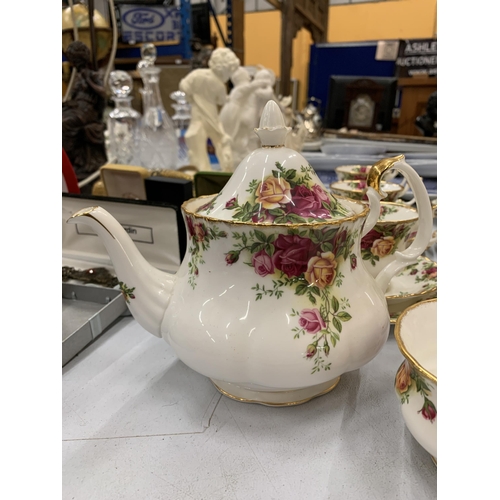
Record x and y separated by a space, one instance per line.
413 284
312 145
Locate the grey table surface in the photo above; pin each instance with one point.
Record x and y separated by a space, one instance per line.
139 424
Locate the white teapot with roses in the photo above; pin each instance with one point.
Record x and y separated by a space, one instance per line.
272 301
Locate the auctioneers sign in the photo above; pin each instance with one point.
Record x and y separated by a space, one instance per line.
417 57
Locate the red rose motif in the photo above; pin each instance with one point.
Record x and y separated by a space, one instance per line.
369 238
311 351
199 232
307 203
354 262
206 206
429 411
232 257
262 216
262 263
190 226
232 203
311 321
292 254
338 240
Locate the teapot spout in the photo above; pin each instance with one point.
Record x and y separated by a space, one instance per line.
146 289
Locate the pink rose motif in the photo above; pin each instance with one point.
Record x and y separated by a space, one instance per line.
363 170
199 232
292 254
311 321
262 263
307 203
413 272
369 238
320 194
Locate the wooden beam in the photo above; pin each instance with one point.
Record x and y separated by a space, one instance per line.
277 4
287 36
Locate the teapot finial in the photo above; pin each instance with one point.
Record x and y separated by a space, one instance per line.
272 131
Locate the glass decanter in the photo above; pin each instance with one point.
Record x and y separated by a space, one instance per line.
159 149
181 120
123 121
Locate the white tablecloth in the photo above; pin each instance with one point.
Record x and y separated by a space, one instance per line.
138 424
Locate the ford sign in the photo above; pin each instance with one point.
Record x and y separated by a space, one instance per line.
149 24
143 19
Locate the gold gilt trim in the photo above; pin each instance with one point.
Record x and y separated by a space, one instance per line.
331 222
277 146
434 460
291 403
401 344
379 169
87 212
424 292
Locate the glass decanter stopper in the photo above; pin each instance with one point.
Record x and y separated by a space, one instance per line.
123 121
159 145
181 119
148 52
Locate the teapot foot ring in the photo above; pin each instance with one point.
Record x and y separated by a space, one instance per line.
274 398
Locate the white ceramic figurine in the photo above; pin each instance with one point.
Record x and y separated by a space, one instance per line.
239 115
205 90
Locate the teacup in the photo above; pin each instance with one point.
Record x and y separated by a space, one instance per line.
359 173
416 380
356 189
395 229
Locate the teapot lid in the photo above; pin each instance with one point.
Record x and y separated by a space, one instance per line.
275 184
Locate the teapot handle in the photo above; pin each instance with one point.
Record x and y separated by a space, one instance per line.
425 215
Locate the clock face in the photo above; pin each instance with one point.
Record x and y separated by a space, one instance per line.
361 111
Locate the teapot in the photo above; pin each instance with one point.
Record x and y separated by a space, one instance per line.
272 301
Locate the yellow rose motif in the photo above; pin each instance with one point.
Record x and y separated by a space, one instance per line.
403 379
273 191
321 271
383 246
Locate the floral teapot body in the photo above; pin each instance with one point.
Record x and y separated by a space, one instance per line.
272 301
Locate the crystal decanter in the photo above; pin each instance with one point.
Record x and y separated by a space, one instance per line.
181 119
158 138
123 121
